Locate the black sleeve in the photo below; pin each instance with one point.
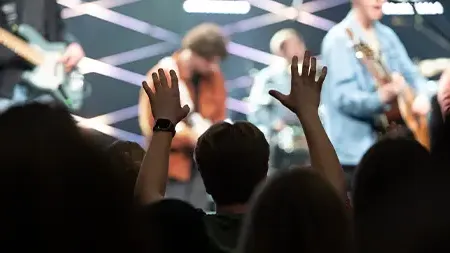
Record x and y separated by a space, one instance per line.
6 55
61 32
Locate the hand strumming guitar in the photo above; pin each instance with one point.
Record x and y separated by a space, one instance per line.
389 92
72 56
165 100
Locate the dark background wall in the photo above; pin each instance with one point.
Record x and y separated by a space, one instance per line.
124 38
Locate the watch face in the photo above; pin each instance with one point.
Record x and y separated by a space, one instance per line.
163 123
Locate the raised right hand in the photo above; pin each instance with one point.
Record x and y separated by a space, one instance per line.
304 97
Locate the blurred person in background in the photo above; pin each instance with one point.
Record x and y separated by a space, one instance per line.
202 87
351 97
280 126
45 17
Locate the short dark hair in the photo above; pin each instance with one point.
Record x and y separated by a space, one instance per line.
126 154
232 159
169 220
393 181
296 211
206 40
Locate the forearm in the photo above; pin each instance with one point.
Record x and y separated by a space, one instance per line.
323 156
152 178
358 104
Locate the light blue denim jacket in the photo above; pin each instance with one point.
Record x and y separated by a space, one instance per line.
349 96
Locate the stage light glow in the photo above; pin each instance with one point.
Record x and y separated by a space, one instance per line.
217 6
422 8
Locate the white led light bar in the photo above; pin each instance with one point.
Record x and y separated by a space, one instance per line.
217 6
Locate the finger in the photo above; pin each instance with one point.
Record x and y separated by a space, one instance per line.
156 82
312 71
279 96
294 70
174 80
322 78
306 62
294 65
148 91
163 78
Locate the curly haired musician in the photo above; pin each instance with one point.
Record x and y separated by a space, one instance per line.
350 95
44 16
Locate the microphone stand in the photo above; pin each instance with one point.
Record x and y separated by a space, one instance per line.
270 107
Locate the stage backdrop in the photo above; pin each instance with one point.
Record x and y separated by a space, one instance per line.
124 38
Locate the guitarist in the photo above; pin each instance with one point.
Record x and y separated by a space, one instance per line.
44 16
202 87
269 115
350 95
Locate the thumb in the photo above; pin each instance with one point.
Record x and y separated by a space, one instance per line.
279 96
184 112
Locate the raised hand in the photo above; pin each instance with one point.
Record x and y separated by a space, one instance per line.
304 97
165 99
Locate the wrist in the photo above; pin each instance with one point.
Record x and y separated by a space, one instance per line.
309 114
163 134
164 125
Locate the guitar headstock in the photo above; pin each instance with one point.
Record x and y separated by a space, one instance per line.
362 50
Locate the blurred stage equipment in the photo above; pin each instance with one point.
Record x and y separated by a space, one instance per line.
433 67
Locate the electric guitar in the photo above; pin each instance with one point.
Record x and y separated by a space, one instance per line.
48 73
401 108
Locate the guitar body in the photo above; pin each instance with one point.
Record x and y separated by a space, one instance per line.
50 74
401 113
418 125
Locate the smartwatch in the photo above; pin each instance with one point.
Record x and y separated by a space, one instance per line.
164 125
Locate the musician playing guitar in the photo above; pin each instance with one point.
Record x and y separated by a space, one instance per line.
202 87
359 92
279 125
44 17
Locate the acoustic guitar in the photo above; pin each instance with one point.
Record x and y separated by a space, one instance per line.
48 73
400 110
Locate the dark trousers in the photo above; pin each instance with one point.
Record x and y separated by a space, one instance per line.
192 191
349 171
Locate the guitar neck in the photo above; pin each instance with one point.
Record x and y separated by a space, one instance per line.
20 47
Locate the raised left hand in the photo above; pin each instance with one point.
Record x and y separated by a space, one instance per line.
421 105
73 54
